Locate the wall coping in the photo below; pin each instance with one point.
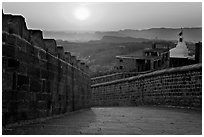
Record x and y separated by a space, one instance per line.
120 73
158 72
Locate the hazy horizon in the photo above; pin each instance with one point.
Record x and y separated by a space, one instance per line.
106 16
122 29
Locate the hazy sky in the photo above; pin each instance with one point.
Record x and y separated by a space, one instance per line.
107 16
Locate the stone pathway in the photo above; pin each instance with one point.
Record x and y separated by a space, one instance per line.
117 121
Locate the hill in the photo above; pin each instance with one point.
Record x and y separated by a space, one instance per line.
100 55
116 39
190 34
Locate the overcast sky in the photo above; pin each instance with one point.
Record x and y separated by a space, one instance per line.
107 16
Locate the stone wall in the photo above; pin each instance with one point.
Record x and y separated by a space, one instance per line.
38 79
180 86
198 52
115 76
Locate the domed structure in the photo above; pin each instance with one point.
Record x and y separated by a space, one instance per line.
181 50
179 55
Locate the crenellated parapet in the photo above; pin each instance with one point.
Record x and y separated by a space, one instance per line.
67 56
51 46
15 27
39 78
36 39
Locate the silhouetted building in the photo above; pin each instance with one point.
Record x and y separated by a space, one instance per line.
152 59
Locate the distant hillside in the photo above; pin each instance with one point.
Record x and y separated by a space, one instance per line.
71 36
116 39
100 55
190 34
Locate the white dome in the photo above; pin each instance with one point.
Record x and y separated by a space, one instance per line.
180 51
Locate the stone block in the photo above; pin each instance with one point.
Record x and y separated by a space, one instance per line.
51 46
35 85
42 104
60 51
22 82
4 37
42 55
10 64
16 25
9 50
67 56
44 73
43 96
34 71
23 68
13 63
30 49
23 46
11 39
37 39
42 112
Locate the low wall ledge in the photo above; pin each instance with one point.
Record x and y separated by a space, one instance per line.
158 72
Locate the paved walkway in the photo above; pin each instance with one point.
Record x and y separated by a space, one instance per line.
119 120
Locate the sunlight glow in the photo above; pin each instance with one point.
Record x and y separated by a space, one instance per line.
82 13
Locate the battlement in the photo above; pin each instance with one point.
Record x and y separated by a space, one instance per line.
51 46
15 24
39 79
36 38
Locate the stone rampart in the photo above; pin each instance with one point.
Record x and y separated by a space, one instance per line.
38 80
115 76
180 86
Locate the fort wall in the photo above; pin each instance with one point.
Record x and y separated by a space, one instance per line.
38 79
115 76
180 86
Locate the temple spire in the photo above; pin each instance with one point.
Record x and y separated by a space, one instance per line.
181 35
181 50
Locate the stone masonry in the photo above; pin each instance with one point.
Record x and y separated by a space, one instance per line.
38 79
114 76
180 86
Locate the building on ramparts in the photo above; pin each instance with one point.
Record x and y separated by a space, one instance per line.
152 59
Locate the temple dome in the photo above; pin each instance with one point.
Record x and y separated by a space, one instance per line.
180 51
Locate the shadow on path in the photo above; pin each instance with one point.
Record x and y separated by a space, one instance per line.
118 121
68 124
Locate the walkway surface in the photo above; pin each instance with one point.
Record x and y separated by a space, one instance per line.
119 120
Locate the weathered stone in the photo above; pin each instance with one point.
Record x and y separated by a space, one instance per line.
51 46
36 83
174 86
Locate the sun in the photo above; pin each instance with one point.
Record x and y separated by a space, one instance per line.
82 13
